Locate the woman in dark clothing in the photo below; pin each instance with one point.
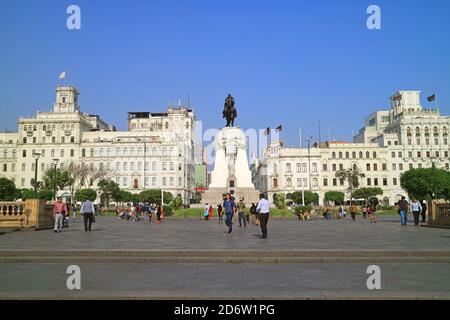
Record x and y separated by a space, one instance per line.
220 212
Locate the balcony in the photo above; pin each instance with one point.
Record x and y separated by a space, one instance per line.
48 133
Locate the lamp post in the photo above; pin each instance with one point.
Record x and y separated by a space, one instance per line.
36 156
308 140
54 163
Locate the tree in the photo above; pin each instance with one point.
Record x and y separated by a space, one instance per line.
46 195
310 197
108 188
86 194
176 203
8 191
334 196
279 200
351 176
426 183
154 196
367 193
60 178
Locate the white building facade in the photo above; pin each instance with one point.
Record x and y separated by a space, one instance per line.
155 152
391 142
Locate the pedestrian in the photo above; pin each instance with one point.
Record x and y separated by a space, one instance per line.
327 214
341 212
253 213
416 209
424 211
67 216
241 213
88 210
403 210
206 212
220 212
364 212
146 210
263 210
353 211
59 211
230 209
159 213
371 214
210 212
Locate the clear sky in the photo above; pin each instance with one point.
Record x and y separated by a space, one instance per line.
285 62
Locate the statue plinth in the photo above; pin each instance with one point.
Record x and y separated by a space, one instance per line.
231 170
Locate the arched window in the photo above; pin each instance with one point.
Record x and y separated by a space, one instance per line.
53 139
367 154
435 131
63 99
355 167
360 154
408 131
288 167
340 154
83 153
289 183
109 152
164 153
427 131
347 155
24 140
24 128
5 154
44 127
374 154
444 131
132 151
136 183
35 128
125 152
353 154
140 153
333 155
275 183
153 151
171 151
91 153
417 132
314 182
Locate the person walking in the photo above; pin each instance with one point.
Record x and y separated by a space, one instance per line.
241 213
253 212
403 210
229 207
263 210
220 212
424 211
59 211
416 209
87 210
364 212
353 211
159 213
210 212
206 212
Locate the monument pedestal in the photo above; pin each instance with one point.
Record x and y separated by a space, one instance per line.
231 170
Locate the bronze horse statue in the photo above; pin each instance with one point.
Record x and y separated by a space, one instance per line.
229 111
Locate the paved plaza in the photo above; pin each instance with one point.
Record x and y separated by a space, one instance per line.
197 259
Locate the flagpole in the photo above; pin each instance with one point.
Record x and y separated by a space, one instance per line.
301 168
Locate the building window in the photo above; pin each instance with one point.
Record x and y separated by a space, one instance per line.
375 167
72 152
334 182
394 181
324 167
299 182
325 182
314 167
340 154
153 166
83 153
288 167
369 182
289 182
400 166
275 183
368 167
367 154
375 181
298 168
341 166
334 167
117 166
314 182
164 165
333 155
153 181
24 153
384 166
5 167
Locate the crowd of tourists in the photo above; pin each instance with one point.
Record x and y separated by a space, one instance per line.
141 212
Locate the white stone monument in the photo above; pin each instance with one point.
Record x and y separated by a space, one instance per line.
231 171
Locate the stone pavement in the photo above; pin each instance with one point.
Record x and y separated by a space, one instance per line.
154 277
178 234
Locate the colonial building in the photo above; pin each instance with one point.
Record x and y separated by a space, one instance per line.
391 142
156 151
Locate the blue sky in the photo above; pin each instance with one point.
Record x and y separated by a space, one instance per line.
285 62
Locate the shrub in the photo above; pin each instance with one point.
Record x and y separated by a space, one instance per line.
86 194
168 211
300 209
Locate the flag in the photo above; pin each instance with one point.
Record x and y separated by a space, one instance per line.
267 131
431 98
397 98
278 129
62 75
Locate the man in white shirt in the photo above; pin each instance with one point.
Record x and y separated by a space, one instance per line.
263 210
87 210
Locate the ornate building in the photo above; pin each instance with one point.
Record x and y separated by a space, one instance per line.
156 151
391 142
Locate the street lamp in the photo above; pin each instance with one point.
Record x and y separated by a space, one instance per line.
36 156
54 163
308 140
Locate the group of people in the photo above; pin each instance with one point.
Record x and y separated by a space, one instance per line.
139 211
416 208
61 214
260 211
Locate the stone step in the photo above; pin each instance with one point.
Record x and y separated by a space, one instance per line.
232 256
